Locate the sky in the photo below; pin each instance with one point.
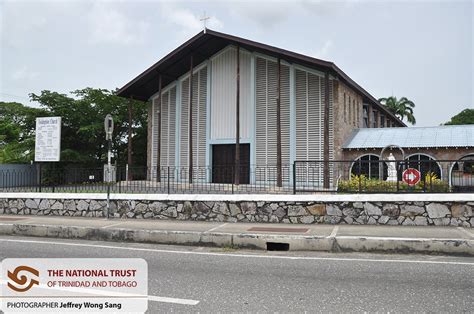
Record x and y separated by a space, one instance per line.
422 50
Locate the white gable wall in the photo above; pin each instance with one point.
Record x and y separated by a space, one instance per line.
302 111
223 95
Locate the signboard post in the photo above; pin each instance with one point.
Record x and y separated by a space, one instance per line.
109 128
47 142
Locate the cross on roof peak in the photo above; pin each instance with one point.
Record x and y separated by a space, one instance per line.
204 19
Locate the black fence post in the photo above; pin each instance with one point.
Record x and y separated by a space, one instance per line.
168 179
39 177
233 178
398 181
431 177
75 179
120 179
294 177
360 169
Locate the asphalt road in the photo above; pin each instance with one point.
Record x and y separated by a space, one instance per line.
217 280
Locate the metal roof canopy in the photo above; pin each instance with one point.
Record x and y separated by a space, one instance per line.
207 43
412 137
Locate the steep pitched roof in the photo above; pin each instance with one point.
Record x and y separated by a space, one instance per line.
207 43
419 137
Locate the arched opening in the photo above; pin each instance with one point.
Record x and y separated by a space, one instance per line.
425 164
462 174
368 165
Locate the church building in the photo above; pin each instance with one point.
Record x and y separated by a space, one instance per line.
248 111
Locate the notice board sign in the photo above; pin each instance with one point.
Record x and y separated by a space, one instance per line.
48 139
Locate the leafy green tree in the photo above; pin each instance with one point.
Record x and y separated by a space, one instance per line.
17 127
402 108
464 117
82 134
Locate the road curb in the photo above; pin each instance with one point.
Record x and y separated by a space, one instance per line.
247 240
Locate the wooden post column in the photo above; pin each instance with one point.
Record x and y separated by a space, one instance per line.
158 155
129 157
237 122
278 127
369 114
326 132
190 148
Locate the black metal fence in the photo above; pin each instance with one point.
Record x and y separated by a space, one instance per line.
361 176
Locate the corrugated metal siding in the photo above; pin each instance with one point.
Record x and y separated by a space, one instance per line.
223 95
168 127
199 122
265 107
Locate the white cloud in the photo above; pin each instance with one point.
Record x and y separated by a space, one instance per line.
24 73
265 14
108 25
269 13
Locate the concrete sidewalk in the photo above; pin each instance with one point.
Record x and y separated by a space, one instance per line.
312 237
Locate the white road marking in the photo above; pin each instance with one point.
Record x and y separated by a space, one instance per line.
113 225
172 300
334 232
242 255
466 232
215 228
106 293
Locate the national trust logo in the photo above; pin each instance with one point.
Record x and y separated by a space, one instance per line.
24 281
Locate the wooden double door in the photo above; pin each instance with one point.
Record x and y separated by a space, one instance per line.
223 163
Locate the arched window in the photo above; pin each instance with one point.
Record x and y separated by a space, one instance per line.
425 164
369 166
462 174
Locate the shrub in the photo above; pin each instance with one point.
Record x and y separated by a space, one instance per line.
369 185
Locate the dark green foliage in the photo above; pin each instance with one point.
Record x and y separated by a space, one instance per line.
17 127
82 134
464 117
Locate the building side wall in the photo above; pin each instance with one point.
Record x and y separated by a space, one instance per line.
347 115
436 153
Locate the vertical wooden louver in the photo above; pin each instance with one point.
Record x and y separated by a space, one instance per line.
168 128
266 125
199 125
309 107
154 136
331 132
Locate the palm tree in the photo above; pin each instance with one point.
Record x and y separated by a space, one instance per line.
401 108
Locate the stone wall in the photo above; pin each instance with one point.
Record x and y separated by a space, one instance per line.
384 213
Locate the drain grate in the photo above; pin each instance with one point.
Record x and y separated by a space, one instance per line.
278 229
278 246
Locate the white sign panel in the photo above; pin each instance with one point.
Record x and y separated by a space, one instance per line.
48 139
74 285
